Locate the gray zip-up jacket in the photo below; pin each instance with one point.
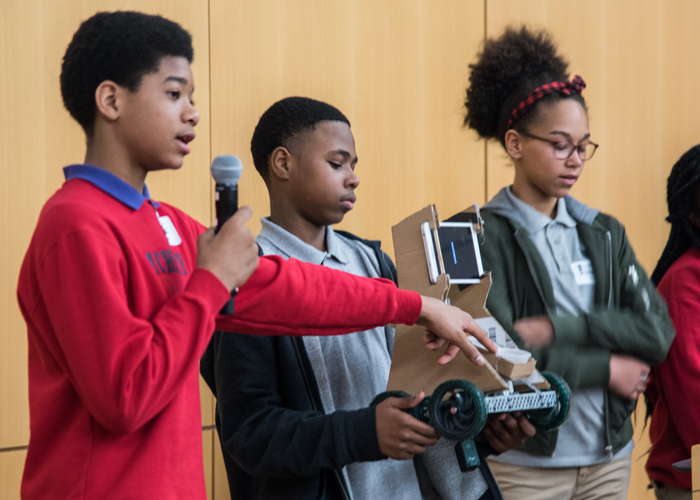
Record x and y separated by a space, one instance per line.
627 317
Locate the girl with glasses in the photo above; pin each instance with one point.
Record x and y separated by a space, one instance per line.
566 283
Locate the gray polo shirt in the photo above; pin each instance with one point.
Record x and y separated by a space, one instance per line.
581 440
350 369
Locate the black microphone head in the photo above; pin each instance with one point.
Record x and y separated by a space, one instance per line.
226 169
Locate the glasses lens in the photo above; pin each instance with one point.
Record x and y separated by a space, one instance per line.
585 152
563 150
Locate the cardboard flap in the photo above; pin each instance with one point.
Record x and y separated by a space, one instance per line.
469 214
472 299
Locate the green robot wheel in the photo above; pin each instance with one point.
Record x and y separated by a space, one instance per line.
457 410
388 394
418 411
549 419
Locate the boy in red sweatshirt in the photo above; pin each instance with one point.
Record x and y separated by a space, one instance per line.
120 293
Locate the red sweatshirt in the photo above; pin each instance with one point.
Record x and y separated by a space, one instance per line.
675 423
117 319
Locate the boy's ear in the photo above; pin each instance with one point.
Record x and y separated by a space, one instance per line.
108 99
514 144
280 160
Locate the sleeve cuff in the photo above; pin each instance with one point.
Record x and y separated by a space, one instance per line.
409 307
570 329
361 435
597 372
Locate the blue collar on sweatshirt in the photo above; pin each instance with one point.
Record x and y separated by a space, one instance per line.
110 184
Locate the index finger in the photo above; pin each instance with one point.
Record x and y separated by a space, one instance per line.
417 426
526 426
469 350
475 330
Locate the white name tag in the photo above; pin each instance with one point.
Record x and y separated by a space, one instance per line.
583 272
170 231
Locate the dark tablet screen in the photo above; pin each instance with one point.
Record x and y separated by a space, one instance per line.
460 252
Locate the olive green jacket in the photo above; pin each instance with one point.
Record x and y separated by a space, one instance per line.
627 316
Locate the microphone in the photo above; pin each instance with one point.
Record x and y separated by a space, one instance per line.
226 170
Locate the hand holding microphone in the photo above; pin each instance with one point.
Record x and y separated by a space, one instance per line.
229 250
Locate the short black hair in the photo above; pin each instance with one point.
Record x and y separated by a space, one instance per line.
506 71
682 199
285 120
120 46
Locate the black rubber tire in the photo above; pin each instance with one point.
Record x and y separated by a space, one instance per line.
552 418
470 405
419 411
388 394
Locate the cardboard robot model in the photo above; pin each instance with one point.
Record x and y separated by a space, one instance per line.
461 394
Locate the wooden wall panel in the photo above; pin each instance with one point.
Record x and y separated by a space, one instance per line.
21 195
396 69
39 138
11 467
208 437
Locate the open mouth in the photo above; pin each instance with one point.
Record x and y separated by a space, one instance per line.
569 179
184 140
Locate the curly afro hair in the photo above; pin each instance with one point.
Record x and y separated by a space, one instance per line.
285 121
507 69
118 46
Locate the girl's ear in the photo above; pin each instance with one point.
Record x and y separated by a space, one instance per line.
280 163
514 144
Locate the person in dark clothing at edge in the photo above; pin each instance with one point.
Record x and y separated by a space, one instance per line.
292 414
673 393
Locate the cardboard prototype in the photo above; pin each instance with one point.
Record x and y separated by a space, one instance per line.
414 368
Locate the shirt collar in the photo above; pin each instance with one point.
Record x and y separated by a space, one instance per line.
563 216
291 246
334 246
110 184
534 221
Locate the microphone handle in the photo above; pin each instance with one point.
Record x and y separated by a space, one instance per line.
226 205
226 197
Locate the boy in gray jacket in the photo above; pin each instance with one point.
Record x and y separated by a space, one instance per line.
292 413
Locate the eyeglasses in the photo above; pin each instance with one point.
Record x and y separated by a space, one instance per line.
564 149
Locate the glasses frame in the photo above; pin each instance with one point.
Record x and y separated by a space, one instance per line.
554 146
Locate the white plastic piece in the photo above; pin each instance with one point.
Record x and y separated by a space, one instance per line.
433 271
520 401
516 356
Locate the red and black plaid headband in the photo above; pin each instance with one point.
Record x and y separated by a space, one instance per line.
564 88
